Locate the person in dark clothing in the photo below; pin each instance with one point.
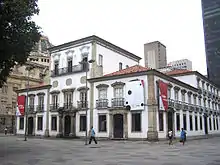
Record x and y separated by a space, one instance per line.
92 135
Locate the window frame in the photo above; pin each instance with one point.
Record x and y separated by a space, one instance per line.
39 124
82 128
100 124
53 127
134 126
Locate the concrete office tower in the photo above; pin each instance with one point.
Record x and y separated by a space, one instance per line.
181 64
211 23
155 55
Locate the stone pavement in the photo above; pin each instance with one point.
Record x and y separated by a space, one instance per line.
15 151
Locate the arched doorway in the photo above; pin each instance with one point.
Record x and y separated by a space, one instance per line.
118 126
67 125
30 125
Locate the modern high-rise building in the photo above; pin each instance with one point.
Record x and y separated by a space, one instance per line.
155 55
211 23
181 64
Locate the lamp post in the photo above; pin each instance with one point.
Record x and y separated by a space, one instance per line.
86 62
28 68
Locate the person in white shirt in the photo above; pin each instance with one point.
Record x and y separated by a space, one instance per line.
170 136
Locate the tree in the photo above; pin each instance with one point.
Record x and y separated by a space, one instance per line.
18 33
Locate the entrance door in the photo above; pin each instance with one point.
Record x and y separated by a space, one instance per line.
67 125
30 125
205 124
118 126
170 120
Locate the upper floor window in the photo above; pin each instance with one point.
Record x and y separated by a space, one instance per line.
120 66
56 67
54 99
40 100
189 99
118 92
169 93
68 97
102 93
31 100
70 65
85 63
100 60
176 95
183 97
200 102
194 98
83 96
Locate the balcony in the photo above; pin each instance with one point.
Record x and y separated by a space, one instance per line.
185 107
118 102
54 107
171 103
67 70
82 105
102 103
197 109
191 108
177 105
68 106
40 108
31 108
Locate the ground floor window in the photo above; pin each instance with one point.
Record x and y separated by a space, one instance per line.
177 121
210 123
3 120
184 122
21 123
39 123
82 124
161 120
54 123
217 123
200 123
136 122
190 122
102 123
214 123
196 122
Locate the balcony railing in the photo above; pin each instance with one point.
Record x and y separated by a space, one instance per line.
177 105
40 108
171 103
67 70
54 107
68 106
31 108
118 102
102 103
82 104
191 107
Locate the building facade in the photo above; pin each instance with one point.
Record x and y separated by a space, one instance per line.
181 64
37 111
211 22
69 94
155 55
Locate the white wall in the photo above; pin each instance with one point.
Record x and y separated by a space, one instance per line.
111 59
188 79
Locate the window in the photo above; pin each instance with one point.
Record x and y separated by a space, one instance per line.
120 66
54 99
56 68
136 122
2 121
190 122
200 102
200 122
21 123
210 124
70 65
177 121
85 64
196 122
102 123
102 93
31 100
169 93
68 97
194 98
184 122
204 103
189 99
183 97
217 123
176 95
83 96
53 123
214 126
118 92
40 123
100 60
161 127
41 100
82 125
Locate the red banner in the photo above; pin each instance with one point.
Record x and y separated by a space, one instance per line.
21 104
163 87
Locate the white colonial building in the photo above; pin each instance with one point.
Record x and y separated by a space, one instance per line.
37 111
188 107
68 99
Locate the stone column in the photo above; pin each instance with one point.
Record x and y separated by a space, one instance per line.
73 126
110 126
174 124
47 114
125 118
60 134
34 125
91 108
152 133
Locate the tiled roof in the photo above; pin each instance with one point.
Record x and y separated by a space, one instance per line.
177 72
132 69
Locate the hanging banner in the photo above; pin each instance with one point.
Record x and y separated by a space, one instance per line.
163 100
21 105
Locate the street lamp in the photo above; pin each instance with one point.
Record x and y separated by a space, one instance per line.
86 62
28 68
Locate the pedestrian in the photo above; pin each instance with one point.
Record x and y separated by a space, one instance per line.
92 135
170 136
183 136
6 130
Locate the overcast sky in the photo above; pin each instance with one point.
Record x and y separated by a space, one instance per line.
129 24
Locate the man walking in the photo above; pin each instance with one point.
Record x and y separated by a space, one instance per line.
170 136
92 135
183 136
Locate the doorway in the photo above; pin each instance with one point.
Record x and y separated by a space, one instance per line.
170 120
118 126
30 125
67 125
205 124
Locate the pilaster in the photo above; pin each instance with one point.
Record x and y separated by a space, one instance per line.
34 125
73 126
47 114
110 126
60 134
91 104
125 118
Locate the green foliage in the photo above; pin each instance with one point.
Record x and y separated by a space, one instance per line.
18 33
